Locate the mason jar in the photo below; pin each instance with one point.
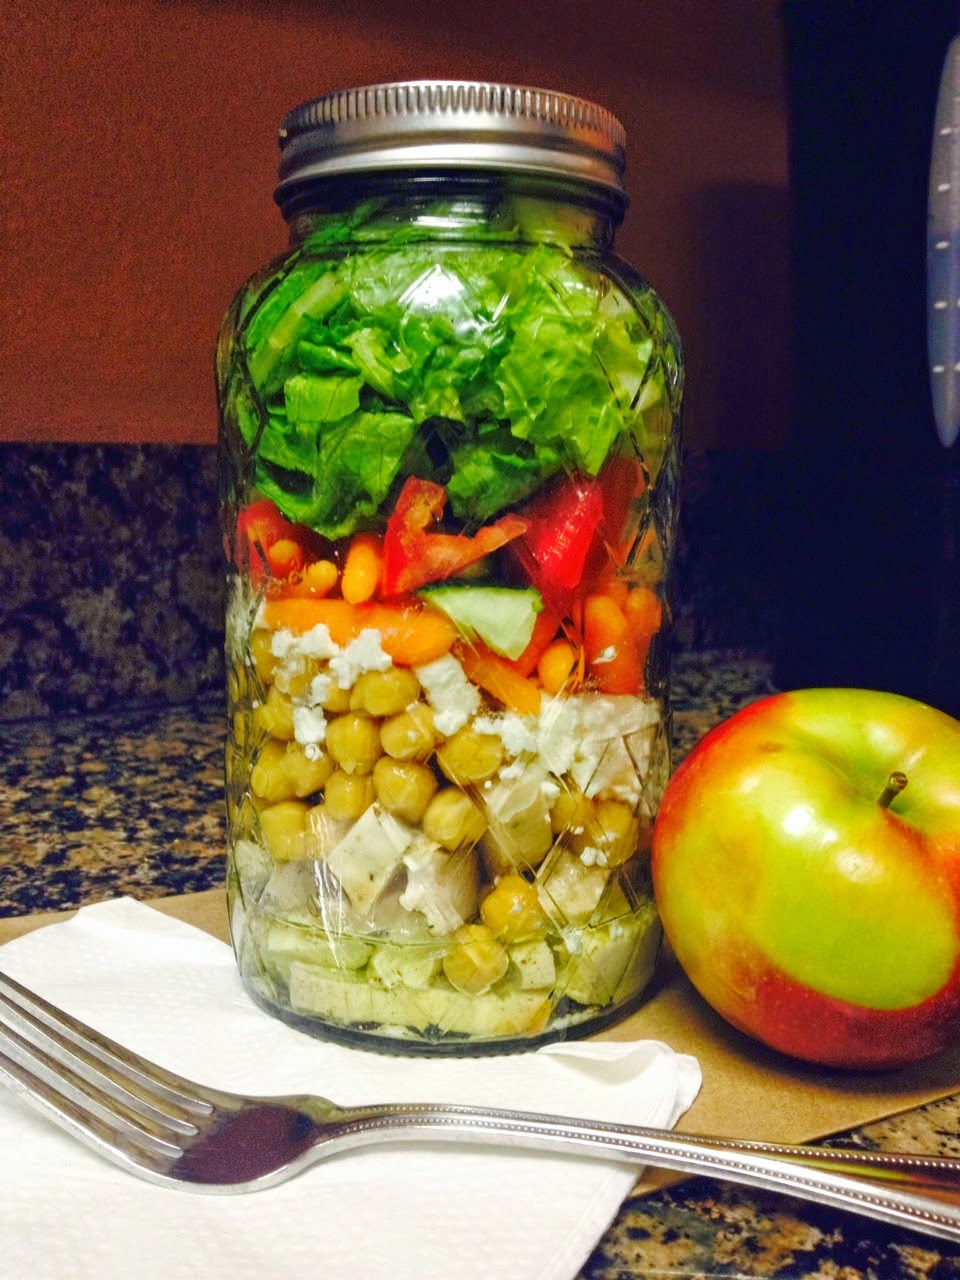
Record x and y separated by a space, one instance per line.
449 475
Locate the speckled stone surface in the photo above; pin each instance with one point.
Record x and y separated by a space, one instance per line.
113 577
99 805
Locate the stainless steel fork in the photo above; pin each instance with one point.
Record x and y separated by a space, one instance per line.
183 1135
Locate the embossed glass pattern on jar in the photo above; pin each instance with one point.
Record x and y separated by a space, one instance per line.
449 458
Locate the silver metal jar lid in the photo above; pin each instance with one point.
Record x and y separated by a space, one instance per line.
450 125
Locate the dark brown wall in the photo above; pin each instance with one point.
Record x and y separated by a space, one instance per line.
141 161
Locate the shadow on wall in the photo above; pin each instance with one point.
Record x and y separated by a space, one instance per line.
870 574
741 322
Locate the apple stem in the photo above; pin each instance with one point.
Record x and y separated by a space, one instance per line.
895 784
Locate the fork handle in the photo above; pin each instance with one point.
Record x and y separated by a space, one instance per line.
805 1171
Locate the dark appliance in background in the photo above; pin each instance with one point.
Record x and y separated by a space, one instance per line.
870 592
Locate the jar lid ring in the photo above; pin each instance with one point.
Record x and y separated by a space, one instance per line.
450 125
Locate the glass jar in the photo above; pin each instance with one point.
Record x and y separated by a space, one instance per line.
449 473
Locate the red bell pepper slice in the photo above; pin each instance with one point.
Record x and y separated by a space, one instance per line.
575 526
414 556
259 527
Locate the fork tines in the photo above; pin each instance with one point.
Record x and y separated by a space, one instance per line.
116 1101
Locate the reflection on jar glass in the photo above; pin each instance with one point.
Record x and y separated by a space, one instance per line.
449 456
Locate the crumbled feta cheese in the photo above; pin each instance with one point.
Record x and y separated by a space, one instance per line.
512 730
572 940
292 651
453 698
612 748
318 643
282 643
615 715
449 721
320 687
593 857
313 751
309 725
366 653
517 735
557 730
549 790
514 770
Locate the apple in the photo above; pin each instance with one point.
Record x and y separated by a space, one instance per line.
806 864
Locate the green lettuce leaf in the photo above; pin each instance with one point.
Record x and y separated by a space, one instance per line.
321 399
496 471
488 367
349 467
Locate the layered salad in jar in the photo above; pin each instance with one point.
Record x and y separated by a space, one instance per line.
449 496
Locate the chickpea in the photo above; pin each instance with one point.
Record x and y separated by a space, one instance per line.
307 773
262 654
404 787
283 826
354 742
468 756
295 686
347 795
619 831
571 815
268 778
275 715
452 819
337 699
476 960
385 693
410 735
511 910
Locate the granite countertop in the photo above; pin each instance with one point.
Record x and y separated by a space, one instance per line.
131 803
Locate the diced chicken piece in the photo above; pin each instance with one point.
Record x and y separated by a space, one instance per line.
286 942
614 959
369 856
534 964
406 966
518 833
570 892
349 998
443 887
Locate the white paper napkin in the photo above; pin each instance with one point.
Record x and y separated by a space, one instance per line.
172 993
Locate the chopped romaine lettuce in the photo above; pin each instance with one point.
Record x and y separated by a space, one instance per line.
523 361
337 478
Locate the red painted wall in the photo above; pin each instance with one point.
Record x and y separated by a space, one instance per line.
141 159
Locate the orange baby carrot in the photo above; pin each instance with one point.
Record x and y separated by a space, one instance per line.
411 635
610 650
498 678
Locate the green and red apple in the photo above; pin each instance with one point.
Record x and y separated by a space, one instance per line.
806 864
